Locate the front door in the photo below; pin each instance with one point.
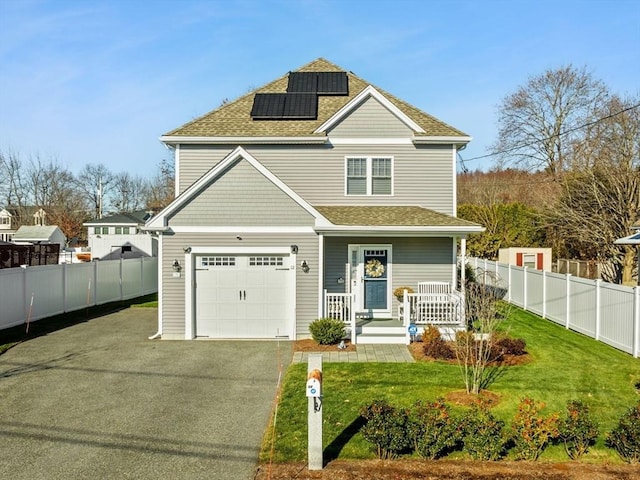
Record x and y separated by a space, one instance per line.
371 279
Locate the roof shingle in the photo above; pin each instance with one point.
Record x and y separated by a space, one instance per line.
378 216
234 120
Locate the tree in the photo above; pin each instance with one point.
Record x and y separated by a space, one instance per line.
507 225
95 183
540 121
161 189
600 198
128 193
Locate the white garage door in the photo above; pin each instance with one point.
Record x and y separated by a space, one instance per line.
243 296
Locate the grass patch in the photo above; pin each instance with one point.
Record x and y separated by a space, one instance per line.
14 335
565 365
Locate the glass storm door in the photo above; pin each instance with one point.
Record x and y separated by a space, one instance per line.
371 277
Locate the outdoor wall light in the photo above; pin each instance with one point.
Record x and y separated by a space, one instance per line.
304 266
294 249
186 249
340 280
176 266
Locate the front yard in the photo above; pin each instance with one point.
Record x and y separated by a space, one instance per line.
564 366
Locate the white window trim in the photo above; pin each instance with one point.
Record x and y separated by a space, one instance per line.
369 174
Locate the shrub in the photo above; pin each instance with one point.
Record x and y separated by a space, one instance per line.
578 431
504 345
625 437
434 346
432 430
482 433
386 427
532 432
327 331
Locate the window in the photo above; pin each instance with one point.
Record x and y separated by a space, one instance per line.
265 261
100 230
369 176
529 260
125 230
118 230
5 221
218 261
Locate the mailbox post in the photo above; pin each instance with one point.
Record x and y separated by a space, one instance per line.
314 416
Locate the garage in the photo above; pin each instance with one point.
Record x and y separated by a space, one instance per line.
243 296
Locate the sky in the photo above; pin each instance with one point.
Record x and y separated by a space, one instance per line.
96 81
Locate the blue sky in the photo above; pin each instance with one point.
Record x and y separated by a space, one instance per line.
99 81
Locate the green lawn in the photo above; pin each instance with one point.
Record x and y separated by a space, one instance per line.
565 365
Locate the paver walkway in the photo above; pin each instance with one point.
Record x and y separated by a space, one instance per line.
363 353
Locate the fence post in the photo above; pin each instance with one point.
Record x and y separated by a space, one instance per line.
509 282
636 321
544 294
524 287
121 280
568 300
65 287
598 309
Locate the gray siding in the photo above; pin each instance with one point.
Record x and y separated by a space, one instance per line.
173 292
371 119
413 260
422 175
241 196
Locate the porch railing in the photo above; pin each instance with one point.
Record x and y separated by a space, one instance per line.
339 307
433 309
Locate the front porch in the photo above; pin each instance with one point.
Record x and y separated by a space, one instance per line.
417 310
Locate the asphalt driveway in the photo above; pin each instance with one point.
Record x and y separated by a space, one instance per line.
100 400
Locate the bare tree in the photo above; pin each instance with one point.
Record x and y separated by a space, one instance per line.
128 193
161 189
600 199
95 182
12 186
542 119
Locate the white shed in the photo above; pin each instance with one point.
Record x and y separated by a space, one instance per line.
538 258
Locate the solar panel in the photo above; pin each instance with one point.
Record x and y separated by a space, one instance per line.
301 106
333 83
275 106
268 105
303 82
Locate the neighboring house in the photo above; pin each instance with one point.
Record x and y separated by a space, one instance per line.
34 234
121 236
314 184
12 218
7 228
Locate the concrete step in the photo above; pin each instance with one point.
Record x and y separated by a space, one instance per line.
381 338
366 329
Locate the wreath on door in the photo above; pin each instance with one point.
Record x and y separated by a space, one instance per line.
374 268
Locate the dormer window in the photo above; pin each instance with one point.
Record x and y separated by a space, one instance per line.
369 176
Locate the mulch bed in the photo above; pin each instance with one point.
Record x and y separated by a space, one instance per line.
310 345
447 470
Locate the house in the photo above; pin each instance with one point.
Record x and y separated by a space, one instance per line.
12 218
7 228
316 186
121 236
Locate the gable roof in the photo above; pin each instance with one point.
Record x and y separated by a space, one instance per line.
138 217
233 120
159 222
36 233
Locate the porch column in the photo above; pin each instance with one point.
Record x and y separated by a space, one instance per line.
463 262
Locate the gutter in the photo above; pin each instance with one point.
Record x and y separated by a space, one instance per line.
186 140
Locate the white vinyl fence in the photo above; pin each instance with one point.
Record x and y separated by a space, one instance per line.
33 293
607 312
